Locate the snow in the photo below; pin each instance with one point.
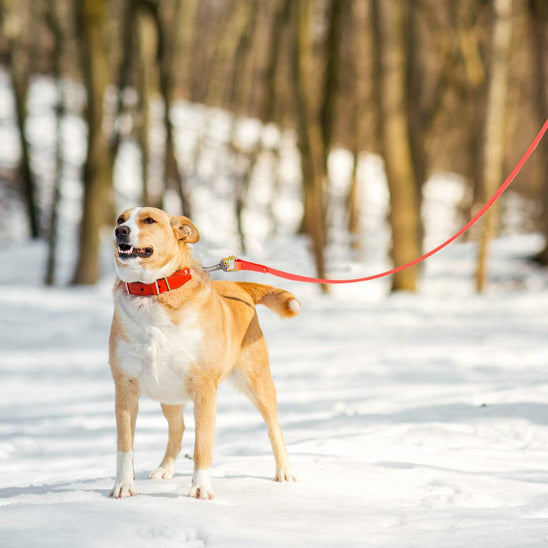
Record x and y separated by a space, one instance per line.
411 420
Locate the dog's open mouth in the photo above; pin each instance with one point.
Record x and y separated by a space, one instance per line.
125 251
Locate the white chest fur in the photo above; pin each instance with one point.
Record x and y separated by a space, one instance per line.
158 352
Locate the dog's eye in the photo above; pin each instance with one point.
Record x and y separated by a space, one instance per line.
149 221
120 220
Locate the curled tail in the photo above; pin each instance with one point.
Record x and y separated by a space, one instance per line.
282 302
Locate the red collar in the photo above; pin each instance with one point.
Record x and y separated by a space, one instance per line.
176 280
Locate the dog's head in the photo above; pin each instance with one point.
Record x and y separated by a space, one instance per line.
150 244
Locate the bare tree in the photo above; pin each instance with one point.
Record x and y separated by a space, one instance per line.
239 92
363 110
17 23
309 130
91 15
52 21
125 64
471 25
185 27
330 87
388 76
538 22
145 86
165 17
493 152
273 24
390 17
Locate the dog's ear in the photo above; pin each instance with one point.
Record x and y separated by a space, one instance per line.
184 230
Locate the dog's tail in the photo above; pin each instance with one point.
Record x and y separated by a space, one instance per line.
282 302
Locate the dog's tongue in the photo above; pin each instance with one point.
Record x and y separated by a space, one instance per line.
142 252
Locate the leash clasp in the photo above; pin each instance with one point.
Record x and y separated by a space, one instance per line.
225 264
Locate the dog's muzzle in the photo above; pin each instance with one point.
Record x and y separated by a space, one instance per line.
125 249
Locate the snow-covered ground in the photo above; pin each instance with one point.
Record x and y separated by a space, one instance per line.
411 420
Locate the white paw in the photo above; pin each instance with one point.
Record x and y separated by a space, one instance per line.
284 475
164 471
201 485
123 490
124 486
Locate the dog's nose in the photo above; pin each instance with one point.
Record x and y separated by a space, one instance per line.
122 232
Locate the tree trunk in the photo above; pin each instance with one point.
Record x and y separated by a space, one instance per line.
185 24
144 78
20 91
167 57
404 218
415 112
363 99
538 11
53 24
309 131
239 92
128 45
91 15
18 59
493 154
225 49
469 32
267 105
334 21
279 24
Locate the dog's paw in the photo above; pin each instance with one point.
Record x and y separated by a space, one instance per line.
201 492
201 487
284 475
124 485
164 471
123 490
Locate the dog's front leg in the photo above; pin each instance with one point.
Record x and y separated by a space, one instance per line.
176 428
204 418
127 405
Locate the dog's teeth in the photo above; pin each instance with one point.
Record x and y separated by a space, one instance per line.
125 251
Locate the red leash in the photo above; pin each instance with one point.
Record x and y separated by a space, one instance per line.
240 264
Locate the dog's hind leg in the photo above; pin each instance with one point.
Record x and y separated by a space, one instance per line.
176 428
263 396
253 377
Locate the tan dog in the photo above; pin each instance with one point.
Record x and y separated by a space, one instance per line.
176 335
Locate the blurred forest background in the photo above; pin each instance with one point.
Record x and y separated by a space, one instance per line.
429 85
